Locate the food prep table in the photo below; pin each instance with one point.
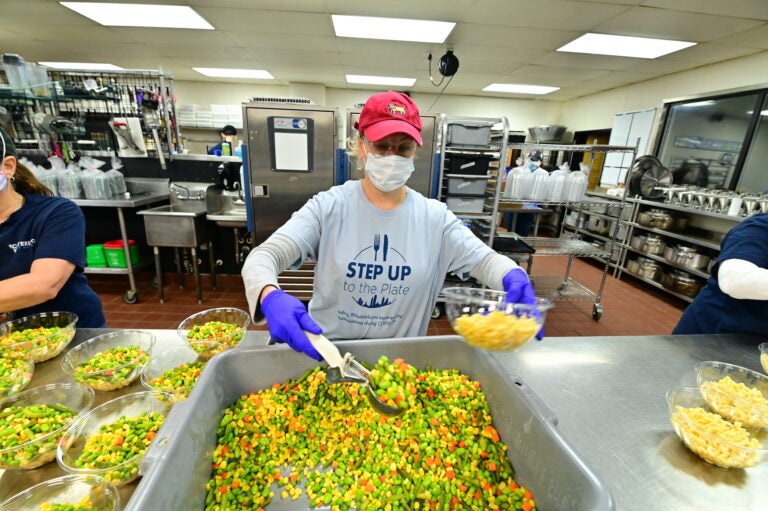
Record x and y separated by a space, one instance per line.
143 196
608 397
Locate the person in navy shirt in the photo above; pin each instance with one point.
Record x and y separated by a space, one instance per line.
735 298
42 248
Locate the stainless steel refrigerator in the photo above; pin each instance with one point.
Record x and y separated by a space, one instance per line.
291 157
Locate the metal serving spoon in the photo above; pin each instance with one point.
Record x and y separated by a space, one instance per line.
345 369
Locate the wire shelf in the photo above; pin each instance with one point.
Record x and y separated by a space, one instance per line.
568 246
561 289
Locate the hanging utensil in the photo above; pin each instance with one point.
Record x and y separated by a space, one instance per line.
123 131
648 176
345 369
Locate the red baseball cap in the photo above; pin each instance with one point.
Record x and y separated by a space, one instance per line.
387 113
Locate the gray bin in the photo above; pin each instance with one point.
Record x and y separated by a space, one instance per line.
467 186
475 134
178 465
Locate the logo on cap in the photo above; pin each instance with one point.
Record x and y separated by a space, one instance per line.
396 109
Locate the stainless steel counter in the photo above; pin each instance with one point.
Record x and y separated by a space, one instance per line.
118 201
608 396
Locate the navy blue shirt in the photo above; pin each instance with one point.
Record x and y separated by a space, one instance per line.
50 227
714 312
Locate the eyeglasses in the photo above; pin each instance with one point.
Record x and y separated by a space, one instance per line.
404 147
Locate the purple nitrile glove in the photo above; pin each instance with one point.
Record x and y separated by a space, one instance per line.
287 318
520 290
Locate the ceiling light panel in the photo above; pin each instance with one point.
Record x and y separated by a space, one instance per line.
392 29
518 88
381 80
624 46
90 66
219 72
140 15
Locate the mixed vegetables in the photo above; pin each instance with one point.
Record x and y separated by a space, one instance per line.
113 368
83 505
178 382
38 344
120 444
26 439
308 437
213 337
15 374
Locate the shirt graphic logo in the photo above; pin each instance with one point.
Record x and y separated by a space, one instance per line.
22 245
378 274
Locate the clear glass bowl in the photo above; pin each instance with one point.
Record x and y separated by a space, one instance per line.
220 329
70 489
174 371
125 467
485 320
764 356
117 370
711 437
39 337
733 401
15 375
42 448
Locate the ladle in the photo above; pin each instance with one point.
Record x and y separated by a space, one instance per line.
347 369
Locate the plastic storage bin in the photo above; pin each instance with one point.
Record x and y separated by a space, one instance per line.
95 257
116 254
468 164
465 204
467 186
178 464
476 134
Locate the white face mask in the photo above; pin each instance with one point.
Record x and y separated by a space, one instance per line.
3 181
388 173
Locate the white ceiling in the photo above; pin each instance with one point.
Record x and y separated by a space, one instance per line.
496 41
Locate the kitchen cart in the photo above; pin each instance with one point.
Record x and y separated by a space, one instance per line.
143 192
571 244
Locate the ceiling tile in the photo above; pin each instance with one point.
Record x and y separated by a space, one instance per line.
753 38
752 9
548 14
583 60
707 52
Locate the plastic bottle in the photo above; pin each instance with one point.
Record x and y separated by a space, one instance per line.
556 183
576 186
539 189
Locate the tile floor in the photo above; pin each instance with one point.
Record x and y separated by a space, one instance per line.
629 307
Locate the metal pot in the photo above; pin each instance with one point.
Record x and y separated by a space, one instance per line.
681 282
653 245
686 256
650 270
633 266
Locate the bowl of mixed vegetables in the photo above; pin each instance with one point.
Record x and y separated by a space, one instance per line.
212 331
110 440
15 375
38 337
109 361
33 421
174 370
485 319
66 493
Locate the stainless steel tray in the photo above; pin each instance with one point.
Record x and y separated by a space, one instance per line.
177 466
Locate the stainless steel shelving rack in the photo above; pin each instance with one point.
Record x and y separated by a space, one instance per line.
570 245
484 222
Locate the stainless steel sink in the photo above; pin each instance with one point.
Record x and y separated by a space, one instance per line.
176 225
225 208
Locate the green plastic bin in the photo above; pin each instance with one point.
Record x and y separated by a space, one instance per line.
95 257
115 253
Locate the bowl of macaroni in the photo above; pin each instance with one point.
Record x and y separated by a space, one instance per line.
737 393
710 436
764 356
485 320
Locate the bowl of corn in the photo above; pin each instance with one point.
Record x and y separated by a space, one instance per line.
212 331
33 421
69 492
15 375
110 440
485 320
735 392
174 370
109 361
710 436
764 356
38 337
